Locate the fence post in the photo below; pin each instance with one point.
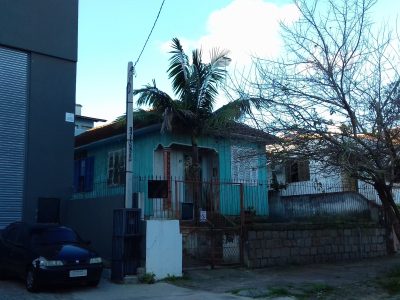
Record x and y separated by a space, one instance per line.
242 224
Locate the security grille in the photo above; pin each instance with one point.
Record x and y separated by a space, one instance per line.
13 116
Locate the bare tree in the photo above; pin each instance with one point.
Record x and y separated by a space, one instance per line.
334 95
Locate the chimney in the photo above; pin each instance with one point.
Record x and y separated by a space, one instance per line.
78 109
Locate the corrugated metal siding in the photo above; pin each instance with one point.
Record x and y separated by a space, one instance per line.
13 110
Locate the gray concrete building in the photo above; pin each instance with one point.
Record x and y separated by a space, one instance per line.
38 54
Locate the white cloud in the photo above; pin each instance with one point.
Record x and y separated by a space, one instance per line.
246 28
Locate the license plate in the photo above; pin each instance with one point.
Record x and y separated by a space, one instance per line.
78 273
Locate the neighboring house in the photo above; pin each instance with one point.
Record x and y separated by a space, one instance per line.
295 177
38 54
84 123
227 158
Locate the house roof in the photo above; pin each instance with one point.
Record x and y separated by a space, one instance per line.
89 118
232 130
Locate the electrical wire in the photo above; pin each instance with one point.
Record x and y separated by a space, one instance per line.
148 37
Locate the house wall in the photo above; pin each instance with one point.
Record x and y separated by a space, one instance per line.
47 31
146 163
324 180
254 197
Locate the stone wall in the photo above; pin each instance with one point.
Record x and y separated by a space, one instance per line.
281 244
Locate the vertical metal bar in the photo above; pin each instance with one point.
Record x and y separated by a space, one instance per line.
242 224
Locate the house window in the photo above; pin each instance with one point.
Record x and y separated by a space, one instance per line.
116 167
297 171
244 166
83 174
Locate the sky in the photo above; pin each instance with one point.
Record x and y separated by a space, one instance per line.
112 33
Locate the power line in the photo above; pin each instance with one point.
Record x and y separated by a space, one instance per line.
148 37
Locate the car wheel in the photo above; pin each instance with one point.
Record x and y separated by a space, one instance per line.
31 281
94 283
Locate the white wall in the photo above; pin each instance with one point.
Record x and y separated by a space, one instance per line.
321 181
163 248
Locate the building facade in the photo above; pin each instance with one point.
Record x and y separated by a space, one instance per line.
38 54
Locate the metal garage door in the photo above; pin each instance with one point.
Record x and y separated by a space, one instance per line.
13 110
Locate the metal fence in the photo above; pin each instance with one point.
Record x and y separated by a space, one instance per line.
315 187
176 198
223 201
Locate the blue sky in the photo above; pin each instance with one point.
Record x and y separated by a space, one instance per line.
111 33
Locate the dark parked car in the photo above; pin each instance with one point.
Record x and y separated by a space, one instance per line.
44 254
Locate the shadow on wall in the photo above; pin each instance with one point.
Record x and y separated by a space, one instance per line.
332 206
93 220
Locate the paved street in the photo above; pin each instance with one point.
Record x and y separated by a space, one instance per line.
12 290
346 280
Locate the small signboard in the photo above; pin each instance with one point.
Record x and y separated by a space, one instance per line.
69 117
203 216
157 188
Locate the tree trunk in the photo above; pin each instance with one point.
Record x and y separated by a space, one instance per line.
195 174
392 214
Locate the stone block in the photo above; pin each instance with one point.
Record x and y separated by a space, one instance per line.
275 234
260 234
277 243
283 234
305 251
300 242
328 249
287 243
275 253
252 235
285 252
264 262
270 243
259 253
290 234
294 251
307 242
347 232
267 234
313 250
298 234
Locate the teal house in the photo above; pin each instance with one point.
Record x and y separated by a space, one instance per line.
232 170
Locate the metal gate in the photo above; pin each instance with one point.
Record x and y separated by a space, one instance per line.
126 243
208 246
13 115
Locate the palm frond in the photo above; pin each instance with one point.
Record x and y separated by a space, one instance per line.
141 118
212 74
152 96
179 68
232 111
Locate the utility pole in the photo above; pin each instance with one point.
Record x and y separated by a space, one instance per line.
129 137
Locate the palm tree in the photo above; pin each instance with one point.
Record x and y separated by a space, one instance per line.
196 85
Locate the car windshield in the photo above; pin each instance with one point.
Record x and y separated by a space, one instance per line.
56 235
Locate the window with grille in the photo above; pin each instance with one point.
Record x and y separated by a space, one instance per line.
116 167
244 165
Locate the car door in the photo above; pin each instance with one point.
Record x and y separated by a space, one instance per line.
15 249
